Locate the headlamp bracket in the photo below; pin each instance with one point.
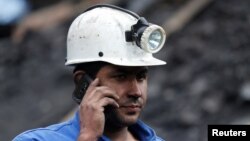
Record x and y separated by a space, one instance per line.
136 31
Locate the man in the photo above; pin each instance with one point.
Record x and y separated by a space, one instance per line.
111 49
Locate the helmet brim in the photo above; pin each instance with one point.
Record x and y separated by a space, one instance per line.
120 62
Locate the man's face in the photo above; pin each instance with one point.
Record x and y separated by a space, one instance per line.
130 84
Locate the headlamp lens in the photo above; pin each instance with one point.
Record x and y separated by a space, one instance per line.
155 40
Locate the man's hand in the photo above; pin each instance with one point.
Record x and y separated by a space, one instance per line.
92 118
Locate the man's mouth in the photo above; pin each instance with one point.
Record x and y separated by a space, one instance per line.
132 107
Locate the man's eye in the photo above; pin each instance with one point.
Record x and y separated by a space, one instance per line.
121 76
141 76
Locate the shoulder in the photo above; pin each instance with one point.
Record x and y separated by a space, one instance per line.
54 132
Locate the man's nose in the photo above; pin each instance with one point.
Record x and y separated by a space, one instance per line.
134 88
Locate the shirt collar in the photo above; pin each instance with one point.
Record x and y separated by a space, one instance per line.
139 129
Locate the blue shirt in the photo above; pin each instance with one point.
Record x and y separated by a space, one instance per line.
69 131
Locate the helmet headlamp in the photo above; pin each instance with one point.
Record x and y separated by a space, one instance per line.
148 37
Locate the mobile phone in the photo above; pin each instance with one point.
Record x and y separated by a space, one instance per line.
81 88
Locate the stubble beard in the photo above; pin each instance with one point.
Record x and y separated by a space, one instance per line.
114 120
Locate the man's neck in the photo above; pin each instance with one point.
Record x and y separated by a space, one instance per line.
121 134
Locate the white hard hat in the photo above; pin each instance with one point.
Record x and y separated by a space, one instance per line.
107 33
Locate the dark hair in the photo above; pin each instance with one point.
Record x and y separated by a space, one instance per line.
90 68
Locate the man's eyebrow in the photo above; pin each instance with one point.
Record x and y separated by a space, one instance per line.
145 69
141 70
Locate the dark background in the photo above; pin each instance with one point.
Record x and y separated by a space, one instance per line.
206 80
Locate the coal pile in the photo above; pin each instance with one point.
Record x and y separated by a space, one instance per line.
35 85
206 81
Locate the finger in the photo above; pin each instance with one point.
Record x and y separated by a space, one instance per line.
93 84
104 91
108 101
107 92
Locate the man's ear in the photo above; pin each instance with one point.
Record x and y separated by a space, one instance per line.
77 75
